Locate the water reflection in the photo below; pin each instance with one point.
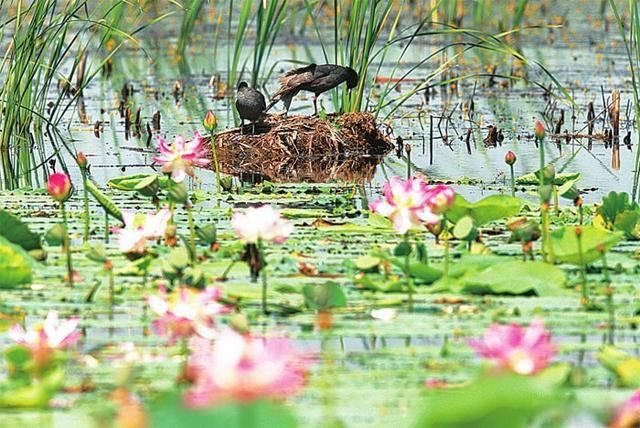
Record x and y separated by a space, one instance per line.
321 169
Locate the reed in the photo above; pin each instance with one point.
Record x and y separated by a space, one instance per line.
366 33
29 64
631 41
47 37
191 13
241 31
270 16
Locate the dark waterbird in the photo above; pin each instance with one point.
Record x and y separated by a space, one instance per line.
313 78
251 105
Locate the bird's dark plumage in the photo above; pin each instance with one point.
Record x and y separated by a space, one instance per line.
250 103
313 78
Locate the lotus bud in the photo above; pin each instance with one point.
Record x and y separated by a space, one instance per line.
59 186
435 228
210 121
510 158
539 130
82 160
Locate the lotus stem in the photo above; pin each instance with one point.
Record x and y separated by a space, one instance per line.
192 234
85 195
106 227
264 277
171 204
547 249
608 291
227 270
513 181
583 271
544 205
407 273
445 269
66 245
407 149
215 162
109 267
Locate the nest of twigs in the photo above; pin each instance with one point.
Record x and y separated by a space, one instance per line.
302 148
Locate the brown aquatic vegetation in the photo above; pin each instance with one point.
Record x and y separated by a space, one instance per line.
302 148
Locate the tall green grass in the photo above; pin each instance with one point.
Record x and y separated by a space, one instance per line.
37 49
631 40
48 36
366 32
268 16
191 13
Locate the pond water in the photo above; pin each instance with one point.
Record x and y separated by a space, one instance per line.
586 59
375 369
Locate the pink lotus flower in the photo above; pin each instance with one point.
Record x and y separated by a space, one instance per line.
628 414
59 186
261 224
406 203
139 228
440 198
180 157
243 368
44 339
186 312
522 350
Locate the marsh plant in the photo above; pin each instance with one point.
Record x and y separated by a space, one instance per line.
631 39
47 35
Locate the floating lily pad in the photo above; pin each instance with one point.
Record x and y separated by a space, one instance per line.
494 207
324 296
565 243
531 179
492 401
135 182
169 411
15 265
511 278
14 230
